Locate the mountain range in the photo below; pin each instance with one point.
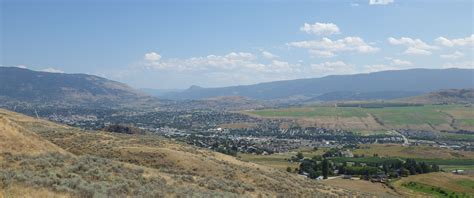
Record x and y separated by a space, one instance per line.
18 84
35 86
377 85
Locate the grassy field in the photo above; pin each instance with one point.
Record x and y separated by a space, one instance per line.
279 160
431 184
378 189
450 159
396 150
439 117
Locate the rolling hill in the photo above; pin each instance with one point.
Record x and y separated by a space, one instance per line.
443 96
23 85
399 83
73 162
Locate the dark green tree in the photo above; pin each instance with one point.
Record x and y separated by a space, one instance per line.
299 155
325 168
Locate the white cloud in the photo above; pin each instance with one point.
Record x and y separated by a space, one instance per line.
414 46
380 2
327 47
269 55
401 62
319 53
417 51
336 67
280 66
320 28
468 41
466 65
455 55
231 62
52 70
152 57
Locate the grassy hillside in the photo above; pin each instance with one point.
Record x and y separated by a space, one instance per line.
427 117
436 185
24 85
18 140
89 163
443 96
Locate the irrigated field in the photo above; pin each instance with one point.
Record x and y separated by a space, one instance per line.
447 158
429 117
436 185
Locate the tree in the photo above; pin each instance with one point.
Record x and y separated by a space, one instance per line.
299 155
325 168
425 168
385 168
435 168
288 169
404 172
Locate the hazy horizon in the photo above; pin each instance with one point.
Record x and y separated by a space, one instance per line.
176 44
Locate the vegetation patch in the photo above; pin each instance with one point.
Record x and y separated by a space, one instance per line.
433 190
466 183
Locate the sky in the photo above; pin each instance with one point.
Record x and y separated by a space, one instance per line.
174 44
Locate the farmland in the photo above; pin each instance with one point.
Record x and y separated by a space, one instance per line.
422 117
436 184
448 159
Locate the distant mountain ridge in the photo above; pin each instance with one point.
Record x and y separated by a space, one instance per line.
34 86
444 96
412 81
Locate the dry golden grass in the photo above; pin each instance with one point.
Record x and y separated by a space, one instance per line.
25 191
378 189
181 165
17 140
443 180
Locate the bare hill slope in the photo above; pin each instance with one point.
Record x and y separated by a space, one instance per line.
111 164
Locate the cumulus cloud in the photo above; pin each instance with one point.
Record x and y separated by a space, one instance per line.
269 55
380 2
319 53
328 48
414 46
152 57
234 61
454 55
467 41
229 61
52 70
336 67
400 62
320 28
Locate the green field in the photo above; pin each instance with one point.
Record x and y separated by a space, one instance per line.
433 190
447 159
418 117
312 112
457 162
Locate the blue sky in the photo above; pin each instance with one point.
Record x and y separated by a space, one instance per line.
175 44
